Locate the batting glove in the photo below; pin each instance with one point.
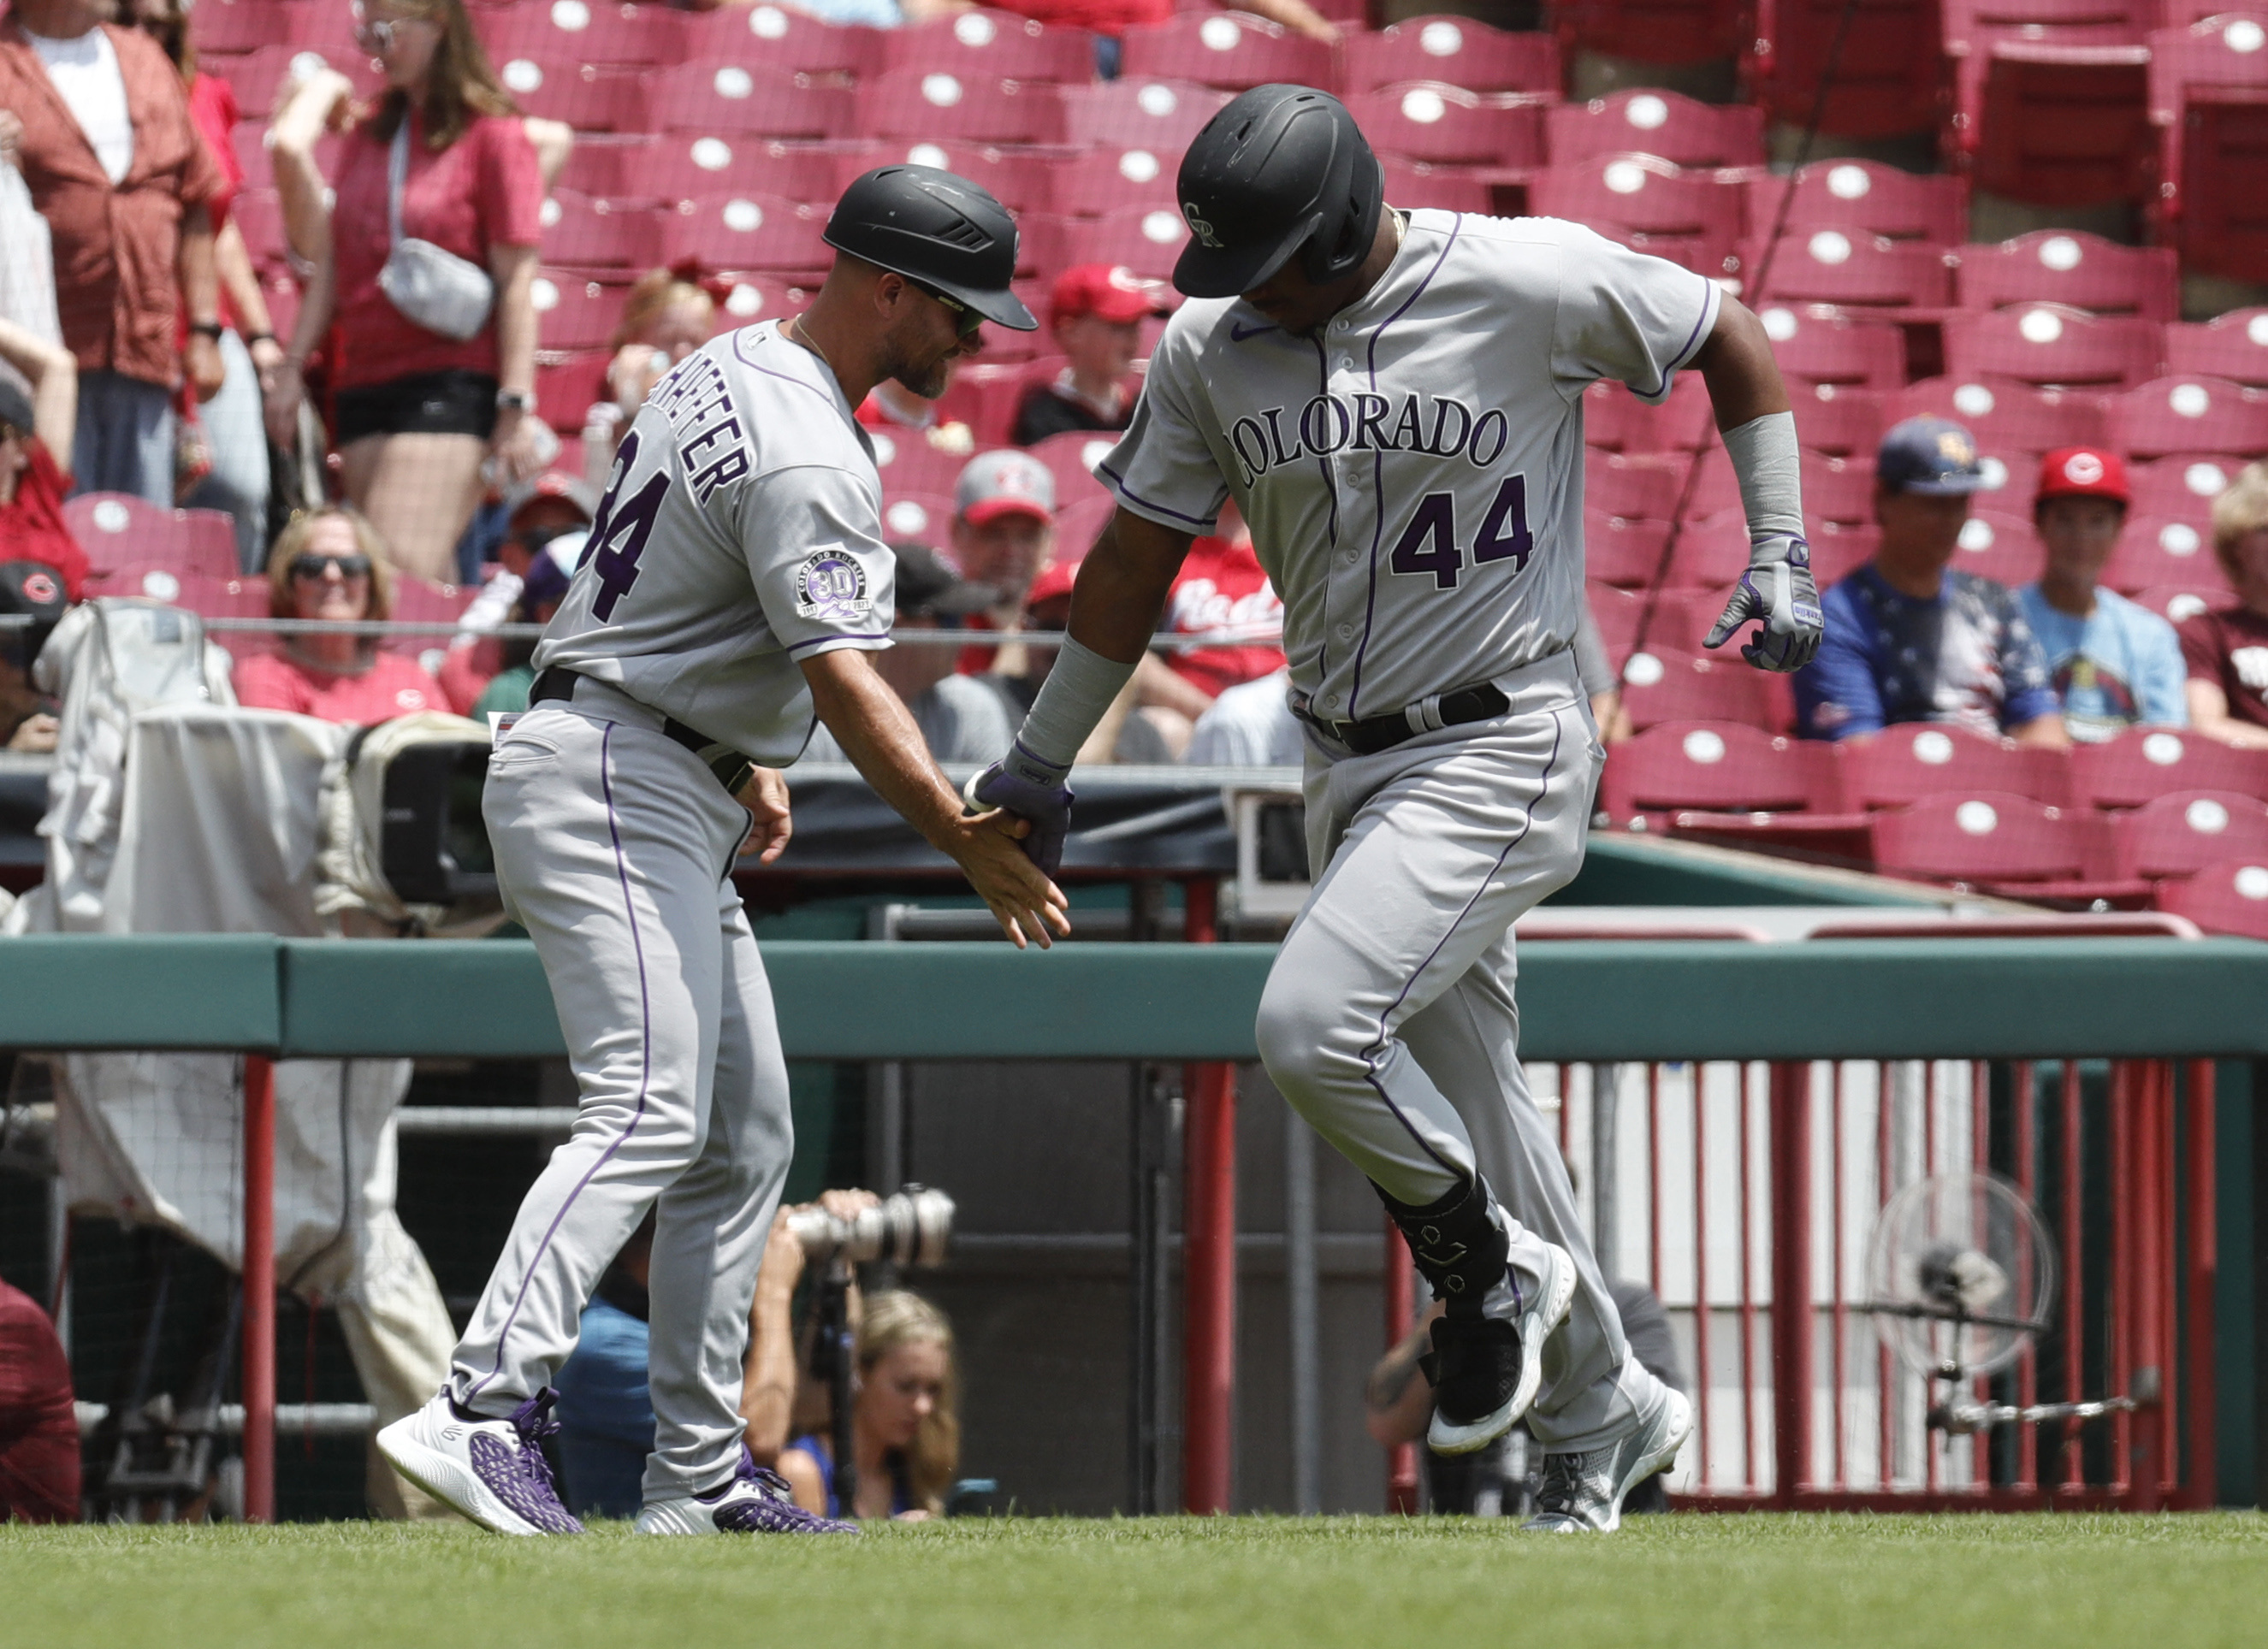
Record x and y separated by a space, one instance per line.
1777 590
1033 789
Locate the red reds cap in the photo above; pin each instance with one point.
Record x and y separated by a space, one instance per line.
1009 481
1111 291
2084 472
552 483
1053 584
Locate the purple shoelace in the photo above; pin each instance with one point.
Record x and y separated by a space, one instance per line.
521 1478
771 1509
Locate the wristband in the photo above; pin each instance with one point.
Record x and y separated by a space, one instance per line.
1770 468
206 329
1072 700
260 337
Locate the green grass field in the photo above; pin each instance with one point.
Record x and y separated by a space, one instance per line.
1683 1582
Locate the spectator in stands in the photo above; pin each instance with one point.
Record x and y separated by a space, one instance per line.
1910 640
37 436
39 1424
117 167
907 1424
236 440
668 316
417 409
1220 590
332 565
545 522
953 711
605 1409
542 589
2113 663
28 589
1095 314
2226 649
1004 532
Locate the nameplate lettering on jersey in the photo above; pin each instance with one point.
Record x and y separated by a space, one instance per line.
713 442
1439 426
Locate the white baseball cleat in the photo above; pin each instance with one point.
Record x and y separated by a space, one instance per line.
754 1501
1486 1370
491 1471
1583 1489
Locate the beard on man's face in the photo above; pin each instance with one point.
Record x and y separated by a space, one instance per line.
928 381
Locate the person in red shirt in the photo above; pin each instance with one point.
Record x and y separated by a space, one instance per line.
1096 315
2226 649
418 411
39 1426
1220 590
332 565
36 434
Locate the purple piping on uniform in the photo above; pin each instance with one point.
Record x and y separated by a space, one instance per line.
1709 305
785 378
848 635
645 1065
1197 521
1369 1060
1378 471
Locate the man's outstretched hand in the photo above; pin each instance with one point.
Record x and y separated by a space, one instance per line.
1777 590
1035 791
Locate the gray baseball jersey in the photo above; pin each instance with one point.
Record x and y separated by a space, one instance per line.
741 533
1413 475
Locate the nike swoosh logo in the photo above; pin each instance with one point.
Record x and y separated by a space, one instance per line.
1238 335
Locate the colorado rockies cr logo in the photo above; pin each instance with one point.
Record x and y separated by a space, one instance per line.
1199 228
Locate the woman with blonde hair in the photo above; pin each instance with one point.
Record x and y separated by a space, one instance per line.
669 314
330 566
435 366
2225 649
906 1421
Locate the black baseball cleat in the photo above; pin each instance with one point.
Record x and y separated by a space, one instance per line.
1484 1373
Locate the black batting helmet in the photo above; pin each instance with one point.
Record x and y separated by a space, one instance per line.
936 228
1281 170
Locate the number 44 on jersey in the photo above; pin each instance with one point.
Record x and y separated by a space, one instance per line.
1428 544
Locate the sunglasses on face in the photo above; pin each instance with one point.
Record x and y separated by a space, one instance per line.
379 34
965 320
316 566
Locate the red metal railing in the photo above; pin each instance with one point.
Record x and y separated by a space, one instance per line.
1729 1187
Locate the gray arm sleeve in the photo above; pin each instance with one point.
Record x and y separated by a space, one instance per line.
1770 469
1071 702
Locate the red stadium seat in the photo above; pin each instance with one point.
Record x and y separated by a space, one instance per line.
1836 488
2153 552
237 28
633 36
568 383
2050 97
910 465
575 312
1457 50
926 517
2181 833
2006 415
1687 216
2233 346
1654 31
1815 348
1636 488
118 531
258 79
1233 52
587 99
1626 553
1109 179
1710 554
2049 344
2229 896
1844 423
748 232
752 99
992 46
1146 239
2189 414
1909 761
984 395
1996 839
1663 124
678 166
1834 266
2145 763
1430 122
1411 184
2072 268
2178 602
1618 420
2209 101
1070 458
615 167
2182 488
1159 115
1838 550
936 105
1629 619
1660 685
2002 548
785 39
1863 194
1722 766
1886 78
579 232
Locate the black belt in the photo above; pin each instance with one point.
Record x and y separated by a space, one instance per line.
1374 733
732 768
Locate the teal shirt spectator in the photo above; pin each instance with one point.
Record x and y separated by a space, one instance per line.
2119 667
506 694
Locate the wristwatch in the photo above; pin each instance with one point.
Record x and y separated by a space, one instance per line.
514 400
207 329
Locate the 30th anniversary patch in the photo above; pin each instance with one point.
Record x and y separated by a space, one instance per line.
831 585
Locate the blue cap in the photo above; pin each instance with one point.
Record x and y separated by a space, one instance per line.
1934 457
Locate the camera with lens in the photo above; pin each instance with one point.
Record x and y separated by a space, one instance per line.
910 1227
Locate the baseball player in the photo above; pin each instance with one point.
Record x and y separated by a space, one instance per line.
1394 401
735 583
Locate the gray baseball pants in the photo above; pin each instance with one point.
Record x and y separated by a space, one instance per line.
613 845
1389 1021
